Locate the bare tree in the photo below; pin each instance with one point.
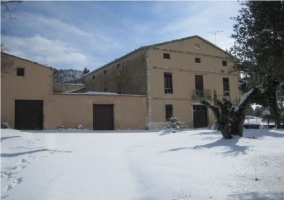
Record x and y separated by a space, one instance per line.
6 63
9 7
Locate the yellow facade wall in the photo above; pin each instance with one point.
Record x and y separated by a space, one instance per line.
74 109
36 82
183 69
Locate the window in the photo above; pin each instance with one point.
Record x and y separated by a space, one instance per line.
20 72
199 90
167 56
226 87
105 72
169 111
118 66
168 83
94 77
197 60
196 46
224 63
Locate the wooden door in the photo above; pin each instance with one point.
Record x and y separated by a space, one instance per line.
29 114
200 116
103 117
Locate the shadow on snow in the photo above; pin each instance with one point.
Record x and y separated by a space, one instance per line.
5 138
231 146
30 152
258 196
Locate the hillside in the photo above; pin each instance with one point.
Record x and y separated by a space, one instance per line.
68 76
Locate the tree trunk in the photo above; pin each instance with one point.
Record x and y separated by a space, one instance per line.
239 113
237 126
226 133
274 106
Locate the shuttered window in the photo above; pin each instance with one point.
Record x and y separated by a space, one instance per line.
168 83
169 111
226 87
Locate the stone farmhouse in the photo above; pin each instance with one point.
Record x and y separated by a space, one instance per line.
140 90
171 75
28 102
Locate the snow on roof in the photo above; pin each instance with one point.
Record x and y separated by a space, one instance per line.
100 93
90 92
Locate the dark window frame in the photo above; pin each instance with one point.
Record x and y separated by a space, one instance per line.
224 63
197 60
94 77
105 72
20 71
199 85
166 56
168 83
168 111
226 87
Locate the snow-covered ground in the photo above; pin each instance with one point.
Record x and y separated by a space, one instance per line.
141 165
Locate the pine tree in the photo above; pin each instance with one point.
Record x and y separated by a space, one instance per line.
85 71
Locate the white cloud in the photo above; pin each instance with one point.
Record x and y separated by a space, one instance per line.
53 53
94 38
201 18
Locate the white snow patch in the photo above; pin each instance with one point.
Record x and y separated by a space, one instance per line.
244 97
130 165
266 112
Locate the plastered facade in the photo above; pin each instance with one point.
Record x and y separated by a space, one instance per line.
182 66
36 82
74 109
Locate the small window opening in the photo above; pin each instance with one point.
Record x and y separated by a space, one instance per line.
197 60
166 56
105 72
20 72
169 111
94 77
224 63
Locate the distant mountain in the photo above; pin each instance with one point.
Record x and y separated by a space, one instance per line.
68 76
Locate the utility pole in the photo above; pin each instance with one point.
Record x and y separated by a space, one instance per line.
214 32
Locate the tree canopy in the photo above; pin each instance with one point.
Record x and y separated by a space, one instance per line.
259 39
258 51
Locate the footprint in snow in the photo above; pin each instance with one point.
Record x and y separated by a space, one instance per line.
15 182
9 187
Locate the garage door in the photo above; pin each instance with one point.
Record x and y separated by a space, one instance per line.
103 117
200 116
29 114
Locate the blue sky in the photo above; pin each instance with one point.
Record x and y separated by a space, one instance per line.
68 34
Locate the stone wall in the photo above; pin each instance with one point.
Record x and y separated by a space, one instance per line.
126 75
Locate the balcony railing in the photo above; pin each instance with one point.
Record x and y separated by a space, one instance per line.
204 94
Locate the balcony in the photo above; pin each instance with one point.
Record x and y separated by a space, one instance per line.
204 94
